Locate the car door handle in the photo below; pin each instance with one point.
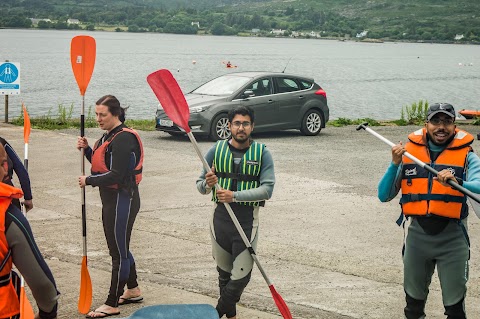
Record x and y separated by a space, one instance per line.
270 101
301 97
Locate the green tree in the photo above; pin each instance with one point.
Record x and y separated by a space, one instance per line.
218 28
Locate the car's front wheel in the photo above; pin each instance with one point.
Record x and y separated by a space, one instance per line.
219 129
311 123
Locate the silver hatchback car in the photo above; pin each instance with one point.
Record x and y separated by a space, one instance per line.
280 102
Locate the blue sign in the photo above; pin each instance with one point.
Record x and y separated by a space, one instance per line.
8 73
9 78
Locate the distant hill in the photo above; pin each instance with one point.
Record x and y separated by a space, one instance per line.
419 20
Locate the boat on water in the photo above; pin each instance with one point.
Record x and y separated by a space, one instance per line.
469 114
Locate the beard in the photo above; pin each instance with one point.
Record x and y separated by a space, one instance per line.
242 139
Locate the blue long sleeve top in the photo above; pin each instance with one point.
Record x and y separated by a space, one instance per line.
19 170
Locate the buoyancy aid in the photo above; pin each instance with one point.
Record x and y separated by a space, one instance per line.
9 303
420 194
248 176
99 165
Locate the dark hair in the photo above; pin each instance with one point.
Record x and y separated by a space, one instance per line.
113 105
242 110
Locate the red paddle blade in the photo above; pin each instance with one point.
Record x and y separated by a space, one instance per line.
170 95
281 305
82 56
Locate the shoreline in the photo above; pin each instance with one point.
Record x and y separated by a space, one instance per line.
342 39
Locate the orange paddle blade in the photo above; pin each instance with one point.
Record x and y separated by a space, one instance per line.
85 298
26 311
82 56
26 124
281 305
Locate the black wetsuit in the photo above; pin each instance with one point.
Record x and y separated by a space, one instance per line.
119 206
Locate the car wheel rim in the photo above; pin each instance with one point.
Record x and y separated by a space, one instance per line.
313 122
222 128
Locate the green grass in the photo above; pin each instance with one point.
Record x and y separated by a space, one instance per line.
63 120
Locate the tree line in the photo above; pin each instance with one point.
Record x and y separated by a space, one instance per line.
380 22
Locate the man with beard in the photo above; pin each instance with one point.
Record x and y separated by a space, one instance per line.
244 170
436 214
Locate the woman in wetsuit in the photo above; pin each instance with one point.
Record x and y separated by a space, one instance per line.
117 159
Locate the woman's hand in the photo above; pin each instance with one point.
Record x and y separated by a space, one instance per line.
82 142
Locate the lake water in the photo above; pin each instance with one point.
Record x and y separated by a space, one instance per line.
361 79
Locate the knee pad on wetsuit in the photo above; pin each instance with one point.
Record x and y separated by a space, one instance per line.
230 295
415 308
456 311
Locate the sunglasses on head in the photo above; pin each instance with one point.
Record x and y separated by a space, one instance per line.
442 106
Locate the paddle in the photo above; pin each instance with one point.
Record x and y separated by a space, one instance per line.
26 310
175 106
82 56
450 182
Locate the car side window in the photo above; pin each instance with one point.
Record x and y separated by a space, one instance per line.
261 87
305 84
287 85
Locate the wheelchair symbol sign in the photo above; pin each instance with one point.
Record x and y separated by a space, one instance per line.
9 78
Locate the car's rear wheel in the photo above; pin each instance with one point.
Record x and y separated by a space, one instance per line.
219 128
311 123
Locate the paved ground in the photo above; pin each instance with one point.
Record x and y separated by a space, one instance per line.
329 246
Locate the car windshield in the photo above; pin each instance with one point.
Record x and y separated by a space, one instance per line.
224 85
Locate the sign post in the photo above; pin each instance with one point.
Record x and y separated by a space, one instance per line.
9 82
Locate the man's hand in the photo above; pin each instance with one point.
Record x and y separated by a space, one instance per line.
28 203
443 176
81 181
397 153
211 179
225 196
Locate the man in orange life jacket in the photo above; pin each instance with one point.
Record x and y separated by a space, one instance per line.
18 247
436 224
117 160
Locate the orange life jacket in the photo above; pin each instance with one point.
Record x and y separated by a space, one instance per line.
9 303
421 195
99 165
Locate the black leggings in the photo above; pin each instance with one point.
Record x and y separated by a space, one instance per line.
118 215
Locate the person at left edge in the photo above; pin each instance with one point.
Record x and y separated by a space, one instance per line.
15 165
18 247
117 160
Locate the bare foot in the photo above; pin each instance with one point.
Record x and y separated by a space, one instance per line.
133 295
103 311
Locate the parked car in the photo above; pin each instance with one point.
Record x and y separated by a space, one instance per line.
280 102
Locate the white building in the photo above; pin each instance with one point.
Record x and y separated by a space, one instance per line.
196 23
277 31
73 21
459 37
36 21
362 34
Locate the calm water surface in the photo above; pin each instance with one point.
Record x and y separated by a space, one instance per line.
361 79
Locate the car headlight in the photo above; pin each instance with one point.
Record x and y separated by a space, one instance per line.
198 109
